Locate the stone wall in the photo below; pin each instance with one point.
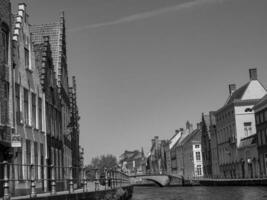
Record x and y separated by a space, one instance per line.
124 193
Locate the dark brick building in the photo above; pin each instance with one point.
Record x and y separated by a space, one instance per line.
261 127
75 132
206 145
58 141
6 106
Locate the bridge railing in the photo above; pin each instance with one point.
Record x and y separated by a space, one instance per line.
30 180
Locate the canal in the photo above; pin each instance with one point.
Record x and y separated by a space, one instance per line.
200 193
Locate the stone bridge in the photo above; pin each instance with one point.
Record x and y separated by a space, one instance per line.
159 179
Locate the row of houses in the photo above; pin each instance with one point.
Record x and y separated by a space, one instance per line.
230 142
39 118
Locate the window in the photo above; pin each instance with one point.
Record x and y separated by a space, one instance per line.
248 110
199 171
40 112
19 157
265 115
257 119
197 155
263 137
42 160
27 58
28 157
247 129
36 159
17 94
261 117
26 106
259 138
5 44
33 110
197 146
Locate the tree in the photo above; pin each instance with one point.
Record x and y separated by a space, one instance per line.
101 162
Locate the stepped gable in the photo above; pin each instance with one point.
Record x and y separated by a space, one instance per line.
53 30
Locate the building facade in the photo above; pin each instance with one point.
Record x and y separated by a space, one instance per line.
206 145
7 124
75 131
214 146
28 107
133 162
58 110
192 160
235 121
261 125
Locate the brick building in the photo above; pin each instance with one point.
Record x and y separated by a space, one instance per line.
6 96
59 138
133 162
261 126
235 121
75 132
6 63
206 145
189 156
28 107
214 145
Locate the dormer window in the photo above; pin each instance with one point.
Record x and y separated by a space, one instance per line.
248 110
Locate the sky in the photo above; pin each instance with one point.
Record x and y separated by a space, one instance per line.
145 67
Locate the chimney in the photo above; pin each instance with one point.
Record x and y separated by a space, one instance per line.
198 125
189 126
253 74
153 141
232 88
177 131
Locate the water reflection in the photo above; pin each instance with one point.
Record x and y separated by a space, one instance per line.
200 193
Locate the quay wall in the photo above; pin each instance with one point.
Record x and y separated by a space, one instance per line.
252 182
124 193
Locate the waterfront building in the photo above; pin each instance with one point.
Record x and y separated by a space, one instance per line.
171 154
63 146
155 159
261 126
234 121
214 146
133 162
28 108
179 148
190 147
7 124
75 133
248 154
206 145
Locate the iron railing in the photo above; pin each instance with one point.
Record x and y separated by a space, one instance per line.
31 180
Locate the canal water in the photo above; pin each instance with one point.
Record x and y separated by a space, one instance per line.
200 193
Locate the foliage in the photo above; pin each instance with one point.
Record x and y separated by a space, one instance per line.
100 162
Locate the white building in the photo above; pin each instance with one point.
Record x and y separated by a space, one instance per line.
236 121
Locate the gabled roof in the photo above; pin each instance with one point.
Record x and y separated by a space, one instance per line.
187 136
262 103
54 32
237 94
174 139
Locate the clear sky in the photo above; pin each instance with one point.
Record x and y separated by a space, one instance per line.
144 67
